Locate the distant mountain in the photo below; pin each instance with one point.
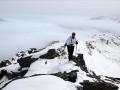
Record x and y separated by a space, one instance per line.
101 54
107 44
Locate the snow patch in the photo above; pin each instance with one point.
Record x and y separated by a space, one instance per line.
45 82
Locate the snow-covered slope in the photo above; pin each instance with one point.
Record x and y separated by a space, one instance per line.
102 54
48 65
45 82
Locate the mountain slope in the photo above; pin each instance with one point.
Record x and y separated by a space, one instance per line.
92 71
101 54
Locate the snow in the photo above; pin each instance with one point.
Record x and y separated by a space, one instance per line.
36 23
102 66
11 68
119 87
95 62
104 58
53 46
44 82
52 66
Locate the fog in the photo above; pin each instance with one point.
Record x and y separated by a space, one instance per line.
24 8
35 23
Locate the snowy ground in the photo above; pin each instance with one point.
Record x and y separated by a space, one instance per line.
45 82
97 63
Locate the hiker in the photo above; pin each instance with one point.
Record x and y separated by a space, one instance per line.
70 43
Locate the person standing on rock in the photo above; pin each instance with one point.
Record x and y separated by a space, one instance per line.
70 43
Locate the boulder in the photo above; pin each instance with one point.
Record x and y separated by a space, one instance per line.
11 75
51 54
26 61
32 50
98 86
4 63
79 60
71 76
2 73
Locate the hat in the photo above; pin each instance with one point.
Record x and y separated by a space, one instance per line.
73 33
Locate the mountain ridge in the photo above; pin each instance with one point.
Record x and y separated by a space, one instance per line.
32 62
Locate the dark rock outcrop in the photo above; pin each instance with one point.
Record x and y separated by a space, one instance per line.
51 54
32 50
93 75
62 51
3 72
26 61
4 63
79 60
71 76
98 86
90 47
11 75
20 54
113 79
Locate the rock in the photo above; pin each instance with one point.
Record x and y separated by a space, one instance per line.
98 86
71 76
92 74
62 51
113 79
11 75
79 60
32 50
2 73
90 47
26 61
4 63
20 54
51 54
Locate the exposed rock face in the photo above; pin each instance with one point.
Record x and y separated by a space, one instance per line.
4 63
2 73
12 75
51 54
71 76
90 47
20 54
32 50
80 62
112 79
98 86
26 61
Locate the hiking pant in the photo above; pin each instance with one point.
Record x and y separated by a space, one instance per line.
70 52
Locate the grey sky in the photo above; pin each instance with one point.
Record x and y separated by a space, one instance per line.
59 7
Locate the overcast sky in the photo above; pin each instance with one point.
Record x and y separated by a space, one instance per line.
59 7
